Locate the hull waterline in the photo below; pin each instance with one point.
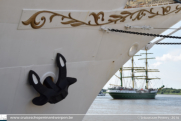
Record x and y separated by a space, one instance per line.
133 96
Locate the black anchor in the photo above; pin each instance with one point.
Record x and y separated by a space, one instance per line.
51 92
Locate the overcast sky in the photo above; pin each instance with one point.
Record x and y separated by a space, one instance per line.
168 61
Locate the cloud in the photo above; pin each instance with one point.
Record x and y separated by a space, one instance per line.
169 57
157 64
174 56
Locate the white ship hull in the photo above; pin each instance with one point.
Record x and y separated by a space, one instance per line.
92 55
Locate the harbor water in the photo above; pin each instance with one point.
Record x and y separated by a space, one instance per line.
162 104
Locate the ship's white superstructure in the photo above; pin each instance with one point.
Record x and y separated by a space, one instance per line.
92 55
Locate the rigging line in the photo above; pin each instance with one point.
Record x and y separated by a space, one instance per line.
141 85
154 85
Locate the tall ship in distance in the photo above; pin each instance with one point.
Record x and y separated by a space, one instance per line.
121 92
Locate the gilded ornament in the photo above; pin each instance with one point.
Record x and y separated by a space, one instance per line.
114 18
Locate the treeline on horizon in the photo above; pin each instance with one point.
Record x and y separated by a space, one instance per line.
170 91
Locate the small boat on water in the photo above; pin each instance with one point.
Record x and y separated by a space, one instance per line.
102 93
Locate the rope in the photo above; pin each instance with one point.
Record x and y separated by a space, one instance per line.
144 34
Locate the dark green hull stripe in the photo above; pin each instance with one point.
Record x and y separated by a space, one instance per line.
133 95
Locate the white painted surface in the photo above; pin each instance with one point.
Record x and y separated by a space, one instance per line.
93 56
153 91
35 79
11 10
61 62
121 91
49 74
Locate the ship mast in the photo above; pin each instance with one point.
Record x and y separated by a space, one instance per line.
147 70
132 70
121 75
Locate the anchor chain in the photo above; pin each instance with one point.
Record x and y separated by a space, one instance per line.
144 34
166 43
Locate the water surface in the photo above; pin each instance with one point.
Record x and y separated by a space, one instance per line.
163 104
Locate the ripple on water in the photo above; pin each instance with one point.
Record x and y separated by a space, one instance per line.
163 104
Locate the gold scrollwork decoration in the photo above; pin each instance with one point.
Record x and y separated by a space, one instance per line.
114 18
